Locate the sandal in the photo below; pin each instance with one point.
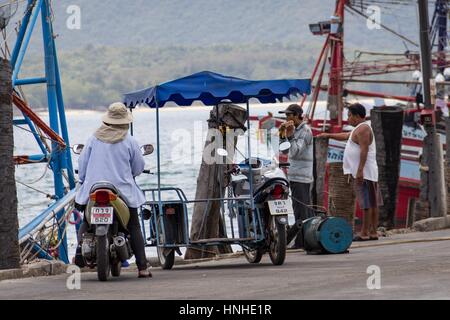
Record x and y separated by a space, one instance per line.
359 238
144 274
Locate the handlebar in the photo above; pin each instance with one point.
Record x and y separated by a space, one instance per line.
284 164
145 171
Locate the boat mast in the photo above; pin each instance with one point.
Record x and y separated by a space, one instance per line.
335 91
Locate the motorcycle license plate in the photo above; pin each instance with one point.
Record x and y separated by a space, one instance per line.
102 215
281 207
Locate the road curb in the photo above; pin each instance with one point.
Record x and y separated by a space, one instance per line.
396 242
11 274
40 269
432 224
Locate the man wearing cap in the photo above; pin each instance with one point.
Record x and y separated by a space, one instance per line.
113 155
301 157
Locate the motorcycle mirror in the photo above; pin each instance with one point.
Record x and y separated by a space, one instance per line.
285 146
222 152
147 149
78 148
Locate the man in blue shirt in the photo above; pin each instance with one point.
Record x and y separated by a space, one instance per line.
113 155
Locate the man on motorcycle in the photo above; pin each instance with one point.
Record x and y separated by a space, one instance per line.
113 155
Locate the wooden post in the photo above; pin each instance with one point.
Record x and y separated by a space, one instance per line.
387 124
447 162
432 149
207 221
9 225
320 163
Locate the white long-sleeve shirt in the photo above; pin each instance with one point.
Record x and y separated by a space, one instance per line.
116 163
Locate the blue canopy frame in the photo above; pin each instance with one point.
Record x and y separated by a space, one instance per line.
211 89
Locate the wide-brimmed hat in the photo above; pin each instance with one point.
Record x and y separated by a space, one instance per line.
117 114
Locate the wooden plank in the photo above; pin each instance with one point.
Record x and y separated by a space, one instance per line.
224 240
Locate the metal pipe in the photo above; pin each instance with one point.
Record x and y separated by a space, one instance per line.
425 51
20 36
161 215
250 169
441 10
24 45
380 95
444 83
37 223
63 122
39 158
50 73
31 115
24 82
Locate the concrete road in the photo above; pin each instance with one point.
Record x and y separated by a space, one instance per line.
419 270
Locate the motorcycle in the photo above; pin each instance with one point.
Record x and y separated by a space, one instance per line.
272 204
106 245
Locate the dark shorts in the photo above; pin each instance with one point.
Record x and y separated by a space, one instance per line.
368 194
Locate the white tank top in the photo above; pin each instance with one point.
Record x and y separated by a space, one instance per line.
352 155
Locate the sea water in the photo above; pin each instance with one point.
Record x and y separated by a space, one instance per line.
183 134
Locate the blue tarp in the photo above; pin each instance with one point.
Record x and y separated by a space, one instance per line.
211 88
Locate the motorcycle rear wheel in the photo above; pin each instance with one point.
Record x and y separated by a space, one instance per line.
166 256
103 263
277 247
116 268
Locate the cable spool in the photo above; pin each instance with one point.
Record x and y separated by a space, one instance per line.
327 235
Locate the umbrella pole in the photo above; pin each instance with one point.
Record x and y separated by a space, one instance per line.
158 160
249 152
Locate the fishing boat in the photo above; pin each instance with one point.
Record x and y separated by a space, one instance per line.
342 72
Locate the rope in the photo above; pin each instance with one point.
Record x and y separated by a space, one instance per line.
44 193
44 236
308 206
385 27
42 137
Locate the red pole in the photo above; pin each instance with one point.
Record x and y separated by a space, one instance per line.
38 121
322 53
381 95
337 62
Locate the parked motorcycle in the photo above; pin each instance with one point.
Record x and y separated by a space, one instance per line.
106 245
272 204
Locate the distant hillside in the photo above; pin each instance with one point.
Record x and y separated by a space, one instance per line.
209 22
126 45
